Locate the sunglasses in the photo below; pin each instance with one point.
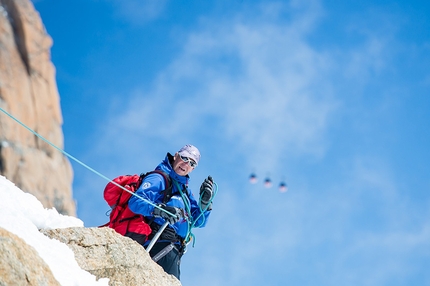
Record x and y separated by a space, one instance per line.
189 161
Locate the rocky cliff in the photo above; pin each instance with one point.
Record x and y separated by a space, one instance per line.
28 91
107 254
20 264
100 251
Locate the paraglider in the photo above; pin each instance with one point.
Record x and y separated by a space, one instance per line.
267 182
253 178
283 187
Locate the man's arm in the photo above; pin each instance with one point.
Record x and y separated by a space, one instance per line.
151 190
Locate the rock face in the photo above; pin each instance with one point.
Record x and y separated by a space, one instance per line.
28 91
106 254
20 264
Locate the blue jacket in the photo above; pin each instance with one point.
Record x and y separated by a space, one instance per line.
152 188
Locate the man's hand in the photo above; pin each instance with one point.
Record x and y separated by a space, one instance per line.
160 212
206 193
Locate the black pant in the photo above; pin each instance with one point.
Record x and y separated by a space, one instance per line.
171 261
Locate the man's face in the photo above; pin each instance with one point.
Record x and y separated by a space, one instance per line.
181 167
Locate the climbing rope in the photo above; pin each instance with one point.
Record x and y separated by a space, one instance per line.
191 223
81 163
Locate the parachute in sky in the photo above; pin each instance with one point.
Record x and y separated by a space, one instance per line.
268 182
253 179
283 187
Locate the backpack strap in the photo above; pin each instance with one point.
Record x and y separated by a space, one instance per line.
169 186
167 192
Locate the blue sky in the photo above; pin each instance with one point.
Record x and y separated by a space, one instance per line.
330 96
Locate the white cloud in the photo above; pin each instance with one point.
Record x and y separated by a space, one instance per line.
257 83
253 89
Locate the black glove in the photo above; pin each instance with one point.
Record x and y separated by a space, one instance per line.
177 213
206 193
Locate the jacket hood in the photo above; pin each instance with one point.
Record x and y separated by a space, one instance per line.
166 166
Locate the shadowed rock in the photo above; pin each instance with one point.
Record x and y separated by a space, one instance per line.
107 254
20 264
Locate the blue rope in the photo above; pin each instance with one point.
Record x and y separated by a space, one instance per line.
203 210
191 223
188 209
81 163
202 213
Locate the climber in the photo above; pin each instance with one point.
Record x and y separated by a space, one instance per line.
181 210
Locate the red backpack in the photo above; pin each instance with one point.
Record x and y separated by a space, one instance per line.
122 219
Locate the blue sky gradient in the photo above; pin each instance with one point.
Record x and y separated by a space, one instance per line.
330 96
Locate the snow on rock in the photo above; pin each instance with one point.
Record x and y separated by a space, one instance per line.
22 214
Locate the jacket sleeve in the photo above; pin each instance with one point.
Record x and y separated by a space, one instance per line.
199 218
151 191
